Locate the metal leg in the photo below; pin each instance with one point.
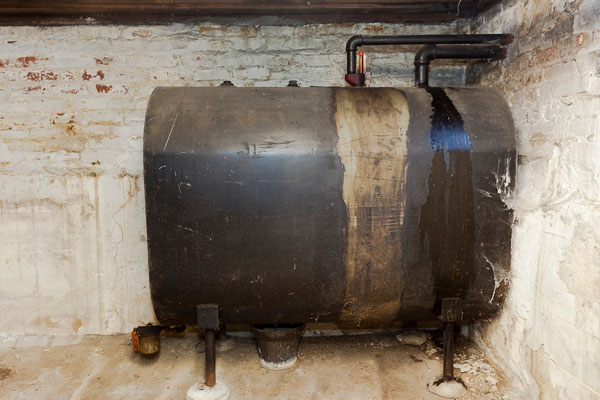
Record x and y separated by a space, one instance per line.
448 385
210 352
210 389
448 349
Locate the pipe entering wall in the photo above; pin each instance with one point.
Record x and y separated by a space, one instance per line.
430 52
487 52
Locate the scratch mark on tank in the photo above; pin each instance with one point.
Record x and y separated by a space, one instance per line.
170 132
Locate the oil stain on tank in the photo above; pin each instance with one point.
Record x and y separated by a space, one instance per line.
447 221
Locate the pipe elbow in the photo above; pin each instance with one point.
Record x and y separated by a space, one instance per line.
353 43
425 54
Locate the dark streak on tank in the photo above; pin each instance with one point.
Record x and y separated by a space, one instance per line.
447 222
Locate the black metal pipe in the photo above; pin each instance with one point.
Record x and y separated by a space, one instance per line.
430 52
359 40
210 353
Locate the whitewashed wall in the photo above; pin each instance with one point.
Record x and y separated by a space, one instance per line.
548 335
72 222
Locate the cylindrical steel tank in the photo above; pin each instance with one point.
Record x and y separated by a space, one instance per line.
291 205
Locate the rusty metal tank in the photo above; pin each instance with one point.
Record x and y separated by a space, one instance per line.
293 205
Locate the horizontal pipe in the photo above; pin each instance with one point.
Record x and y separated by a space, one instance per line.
360 40
430 52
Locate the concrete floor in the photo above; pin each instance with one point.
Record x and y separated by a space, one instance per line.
371 366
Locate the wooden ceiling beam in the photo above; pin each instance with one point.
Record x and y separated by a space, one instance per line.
162 11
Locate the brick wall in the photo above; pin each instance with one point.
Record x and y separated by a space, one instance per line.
548 336
73 257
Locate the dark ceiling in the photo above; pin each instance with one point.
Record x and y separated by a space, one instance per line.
162 11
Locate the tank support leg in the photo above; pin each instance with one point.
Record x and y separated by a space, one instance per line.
210 352
448 349
211 388
448 385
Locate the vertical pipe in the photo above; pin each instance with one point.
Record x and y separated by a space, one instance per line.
422 75
448 349
210 368
351 61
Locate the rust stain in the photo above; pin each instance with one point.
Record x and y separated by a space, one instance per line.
70 130
5 372
103 88
142 33
211 28
248 31
32 89
45 322
374 28
372 143
545 56
3 63
77 324
104 123
537 138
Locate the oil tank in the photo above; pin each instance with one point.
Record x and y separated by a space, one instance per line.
293 205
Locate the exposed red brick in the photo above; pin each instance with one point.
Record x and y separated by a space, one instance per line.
26 61
3 63
42 76
31 89
87 77
103 88
70 91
